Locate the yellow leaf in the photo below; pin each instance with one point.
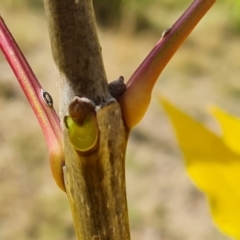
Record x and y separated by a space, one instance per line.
230 126
212 165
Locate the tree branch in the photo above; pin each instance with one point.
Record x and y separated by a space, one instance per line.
95 137
95 182
76 49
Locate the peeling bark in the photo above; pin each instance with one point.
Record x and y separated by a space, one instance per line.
95 183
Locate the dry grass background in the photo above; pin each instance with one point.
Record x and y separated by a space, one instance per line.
163 203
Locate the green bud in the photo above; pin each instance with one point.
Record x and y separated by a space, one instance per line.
82 125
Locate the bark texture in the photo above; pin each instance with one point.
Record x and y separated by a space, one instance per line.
95 183
76 50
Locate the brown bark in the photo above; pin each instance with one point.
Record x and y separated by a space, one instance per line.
95 183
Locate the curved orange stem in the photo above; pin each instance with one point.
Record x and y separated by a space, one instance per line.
134 102
39 100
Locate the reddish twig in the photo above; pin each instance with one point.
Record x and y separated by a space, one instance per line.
40 101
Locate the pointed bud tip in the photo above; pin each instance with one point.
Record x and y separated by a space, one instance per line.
80 108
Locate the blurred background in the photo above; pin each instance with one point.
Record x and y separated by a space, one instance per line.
163 203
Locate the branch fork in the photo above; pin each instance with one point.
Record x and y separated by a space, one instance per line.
88 151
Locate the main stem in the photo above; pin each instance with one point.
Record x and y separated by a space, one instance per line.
76 50
95 183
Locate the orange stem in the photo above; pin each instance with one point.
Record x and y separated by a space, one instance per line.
43 109
134 102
